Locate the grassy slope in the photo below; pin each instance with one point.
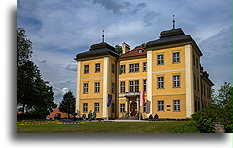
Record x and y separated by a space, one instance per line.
115 127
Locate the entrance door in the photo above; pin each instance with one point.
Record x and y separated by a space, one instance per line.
133 108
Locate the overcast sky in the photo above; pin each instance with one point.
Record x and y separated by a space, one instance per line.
59 29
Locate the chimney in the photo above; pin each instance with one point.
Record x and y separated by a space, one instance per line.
125 48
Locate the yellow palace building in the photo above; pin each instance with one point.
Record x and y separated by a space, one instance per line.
168 70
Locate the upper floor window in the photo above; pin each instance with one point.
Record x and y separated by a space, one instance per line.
122 69
134 67
113 68
160 82
97 67
122 85
134 86
86 68
176 105
97 87
144 66
176 81
160 106
193 59
144 85
160 59
176 57
113 88
85 88
194 82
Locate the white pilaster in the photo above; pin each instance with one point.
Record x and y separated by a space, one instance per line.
189 81
77 108
149 79
106 86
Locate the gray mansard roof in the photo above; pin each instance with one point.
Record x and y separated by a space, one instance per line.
172 37
97 50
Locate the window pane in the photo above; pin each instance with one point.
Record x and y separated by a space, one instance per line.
160 59
137 67
160 105
131 67
136 85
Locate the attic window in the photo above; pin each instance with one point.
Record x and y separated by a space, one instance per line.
140 51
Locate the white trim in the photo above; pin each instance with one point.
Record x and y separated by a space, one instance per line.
92 78
132 78
189 81
149 79
78 86
105 85
169 71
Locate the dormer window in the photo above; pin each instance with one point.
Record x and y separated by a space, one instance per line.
140 51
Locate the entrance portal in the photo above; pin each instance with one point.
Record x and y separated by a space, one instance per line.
133 108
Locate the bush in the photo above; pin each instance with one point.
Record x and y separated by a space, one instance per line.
187 128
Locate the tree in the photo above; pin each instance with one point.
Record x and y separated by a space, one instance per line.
219 111
67 105
143 45
32 91
118 49
24 47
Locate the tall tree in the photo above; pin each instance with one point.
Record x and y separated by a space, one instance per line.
32 91
67 105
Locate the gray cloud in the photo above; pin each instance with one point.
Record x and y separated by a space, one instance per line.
150 18
71 67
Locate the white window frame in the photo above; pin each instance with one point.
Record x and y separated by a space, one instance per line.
160 105
122 108
176 105
176 57
97 107
97 87
122 85
85 88
122 69
176 81
97 67
144 66
85 107
160 59
160 82
86 69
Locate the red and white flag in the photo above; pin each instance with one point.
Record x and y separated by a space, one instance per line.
142 98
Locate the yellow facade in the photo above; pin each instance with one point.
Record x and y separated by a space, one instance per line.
171 76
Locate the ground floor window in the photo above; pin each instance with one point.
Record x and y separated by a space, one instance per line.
144 108
85 107
122 108
160 106
176 104
112 107
97 107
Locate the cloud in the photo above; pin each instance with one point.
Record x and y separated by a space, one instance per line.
150 18
72 67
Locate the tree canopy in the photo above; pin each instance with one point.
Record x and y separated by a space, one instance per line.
33 92
67 105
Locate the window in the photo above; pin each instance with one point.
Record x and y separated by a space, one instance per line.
197 62
122 108
134 86
113 68
97 67
144 85
140 51
160 82
197 84
194 82
122 69
113 88
144 66
144 108
96 107
176 57
85 88
97 87
193 59
85 107
112 108
122 87
176 105
86 69
131 86
204 90
160 106
134 67
176 81
160 59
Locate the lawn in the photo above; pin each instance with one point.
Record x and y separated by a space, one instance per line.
99 127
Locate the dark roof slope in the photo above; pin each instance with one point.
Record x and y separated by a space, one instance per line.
97 50
170 37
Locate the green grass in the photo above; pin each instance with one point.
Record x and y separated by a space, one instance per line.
98 127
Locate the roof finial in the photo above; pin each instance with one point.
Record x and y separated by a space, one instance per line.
103 36
173 22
